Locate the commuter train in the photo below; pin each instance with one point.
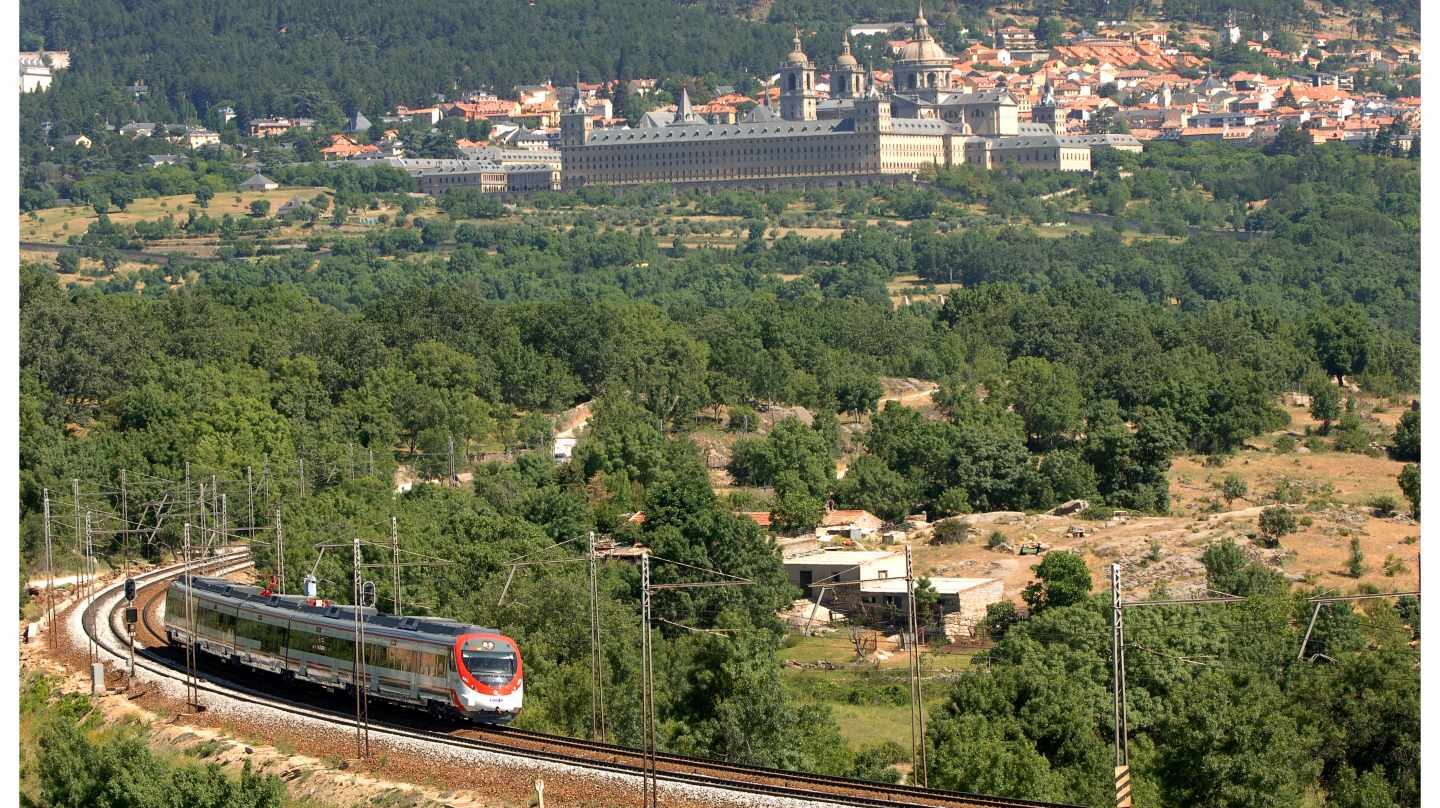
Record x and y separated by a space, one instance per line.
446 667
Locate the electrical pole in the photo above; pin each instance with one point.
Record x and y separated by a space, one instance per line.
49 574
90 576
279 553
395 560
125 520
648 665
647 675
1314 614
1120 712
192 689
215 515
371 451
79 536
250 500
918 758
350 459
358 676
302 477
204 534
1322 601
452 456
597 657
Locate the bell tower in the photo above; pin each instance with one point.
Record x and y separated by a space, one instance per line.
576 125
872 112
797 85
847 80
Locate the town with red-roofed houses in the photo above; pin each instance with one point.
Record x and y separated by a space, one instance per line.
1040 93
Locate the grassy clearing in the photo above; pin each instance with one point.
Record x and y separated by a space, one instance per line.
871 704
58 224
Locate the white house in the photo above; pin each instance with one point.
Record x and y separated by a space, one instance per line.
564 448
811 571
259 182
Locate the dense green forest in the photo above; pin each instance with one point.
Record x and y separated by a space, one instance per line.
1220 711
1069 367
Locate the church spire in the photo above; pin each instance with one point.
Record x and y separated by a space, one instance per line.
579 106
683 112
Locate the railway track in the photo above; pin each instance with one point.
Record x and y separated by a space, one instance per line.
156 659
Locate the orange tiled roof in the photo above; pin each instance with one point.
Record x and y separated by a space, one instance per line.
846 517
761 518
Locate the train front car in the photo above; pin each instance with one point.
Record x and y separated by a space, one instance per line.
491 686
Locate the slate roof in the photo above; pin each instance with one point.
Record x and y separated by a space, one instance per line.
1117 139
760 114
656 119
722 132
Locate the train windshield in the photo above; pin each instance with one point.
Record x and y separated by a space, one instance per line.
489 661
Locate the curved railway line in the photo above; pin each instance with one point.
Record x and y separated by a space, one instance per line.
154 657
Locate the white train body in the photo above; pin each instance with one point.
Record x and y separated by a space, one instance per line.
427 662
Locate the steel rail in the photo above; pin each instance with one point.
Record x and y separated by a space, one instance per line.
899 795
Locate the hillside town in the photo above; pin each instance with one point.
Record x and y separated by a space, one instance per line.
1053 97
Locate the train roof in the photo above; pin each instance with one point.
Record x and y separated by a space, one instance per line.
252 595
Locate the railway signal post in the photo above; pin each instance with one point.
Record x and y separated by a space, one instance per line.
130 619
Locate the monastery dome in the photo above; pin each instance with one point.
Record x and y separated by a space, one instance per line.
796 56
923 50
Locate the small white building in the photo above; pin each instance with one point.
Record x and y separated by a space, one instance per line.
564 449
811 571
966 597
35 77
259 182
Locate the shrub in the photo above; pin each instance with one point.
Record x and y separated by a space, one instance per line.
996 539
1287 492
1275 522
951 531
1394 566
953 500
1233 488
1356 564
999 617
1384 505
1285 444
742 419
